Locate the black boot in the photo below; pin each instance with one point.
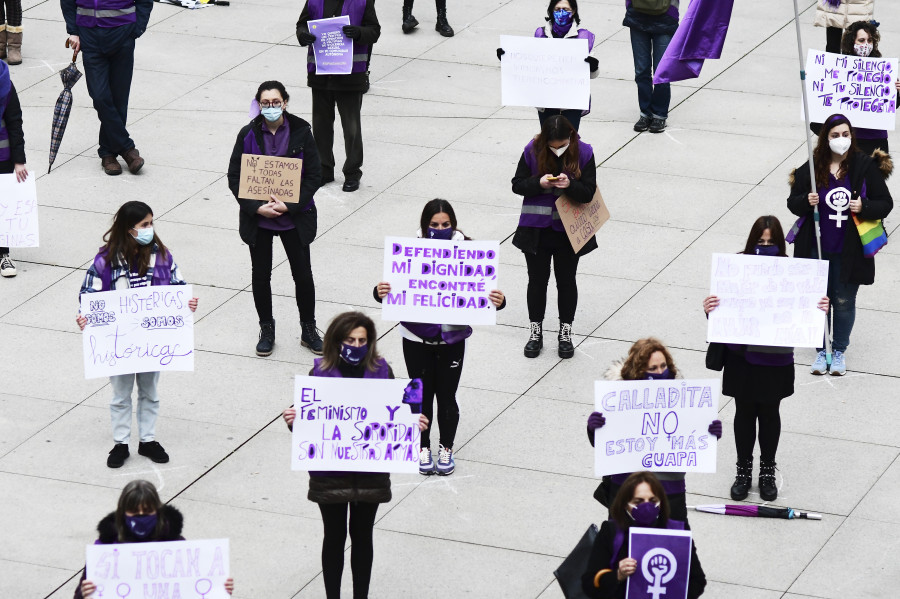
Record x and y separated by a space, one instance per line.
442 26
409 21
309 337
767 489
743 481
266 338
566 349
535 341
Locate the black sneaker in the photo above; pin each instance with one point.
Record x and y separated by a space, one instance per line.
309 337
118 455
154 451
266 339
657 125
643 124
535 341
566 349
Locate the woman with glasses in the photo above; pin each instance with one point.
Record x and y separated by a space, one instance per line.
275 132
758 378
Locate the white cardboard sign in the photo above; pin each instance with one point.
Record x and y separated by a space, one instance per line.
548 73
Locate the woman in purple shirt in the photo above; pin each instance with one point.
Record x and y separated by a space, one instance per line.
758 378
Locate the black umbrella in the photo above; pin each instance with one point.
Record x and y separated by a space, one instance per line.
70 76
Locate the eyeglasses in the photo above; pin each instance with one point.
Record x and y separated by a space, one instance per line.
267 104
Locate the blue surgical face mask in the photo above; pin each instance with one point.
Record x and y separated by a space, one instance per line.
658 376
271 113
766 250
141 526
144 236
353 355
440 233
562 17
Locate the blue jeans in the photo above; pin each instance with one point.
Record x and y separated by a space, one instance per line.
843 302
120 406
652 99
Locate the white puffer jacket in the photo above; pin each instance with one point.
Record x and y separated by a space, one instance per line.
850 11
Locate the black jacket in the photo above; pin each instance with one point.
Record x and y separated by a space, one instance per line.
12 115
610 587
370 31
301 140
855 268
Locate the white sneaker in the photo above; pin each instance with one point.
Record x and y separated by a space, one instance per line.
445 464
426 463
7 266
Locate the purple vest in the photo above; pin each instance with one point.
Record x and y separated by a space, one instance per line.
252 147
583 34
104 13
540 211
162 270
449 333
380 373
4 133
355 10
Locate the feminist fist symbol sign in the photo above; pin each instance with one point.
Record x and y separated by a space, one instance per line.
658 566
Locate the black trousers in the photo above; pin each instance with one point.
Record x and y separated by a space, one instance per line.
833 37
349 105
746 414
334 521
298 257
439 367
108 54
554 246
11 13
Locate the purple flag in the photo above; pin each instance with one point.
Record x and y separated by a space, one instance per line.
663 563
700 35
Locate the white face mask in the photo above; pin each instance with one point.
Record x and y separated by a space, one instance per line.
560 151
839 145
863 49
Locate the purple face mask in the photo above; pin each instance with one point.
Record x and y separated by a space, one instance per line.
353 355
440 233
766 250
659 376
645 513
141 526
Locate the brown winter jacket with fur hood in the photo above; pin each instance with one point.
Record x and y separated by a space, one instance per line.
856 269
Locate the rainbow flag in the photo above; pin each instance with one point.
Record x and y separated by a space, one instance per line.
872 235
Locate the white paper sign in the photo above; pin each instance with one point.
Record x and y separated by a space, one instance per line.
356 425
146 329
18 212
862 89
766 300
195 569
548 73
659 426
446 282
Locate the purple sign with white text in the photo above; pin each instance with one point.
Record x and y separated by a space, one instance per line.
663 563
332 49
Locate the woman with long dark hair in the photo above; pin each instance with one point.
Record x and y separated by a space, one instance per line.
555 163
275 132
133 256
851 186
641 502
350 351
758 378
435 352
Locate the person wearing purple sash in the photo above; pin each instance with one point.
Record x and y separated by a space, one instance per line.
642 502
758 378
133 256
555 163
435 353
275 132
104 31
350 352
344 91
12 148
651 31
647 359
851 186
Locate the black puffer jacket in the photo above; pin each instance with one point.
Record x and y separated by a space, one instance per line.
873 170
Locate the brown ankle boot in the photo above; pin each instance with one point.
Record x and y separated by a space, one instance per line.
133 159
3 42
13 45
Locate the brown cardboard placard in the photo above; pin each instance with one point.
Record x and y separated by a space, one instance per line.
582 221
264 176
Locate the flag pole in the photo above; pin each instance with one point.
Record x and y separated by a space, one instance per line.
812 168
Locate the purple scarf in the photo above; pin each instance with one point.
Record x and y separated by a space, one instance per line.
832 3
561 30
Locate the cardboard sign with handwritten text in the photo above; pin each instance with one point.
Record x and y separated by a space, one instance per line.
265 176
582 220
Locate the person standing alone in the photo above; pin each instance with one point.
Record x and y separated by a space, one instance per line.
104 31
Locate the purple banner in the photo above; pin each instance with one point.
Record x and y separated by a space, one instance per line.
663 563
332 49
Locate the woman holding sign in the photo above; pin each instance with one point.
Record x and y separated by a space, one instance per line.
555 163
133 256
855 198
350 352
275 132
141 517
12 147
641 503
758 378
434 353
